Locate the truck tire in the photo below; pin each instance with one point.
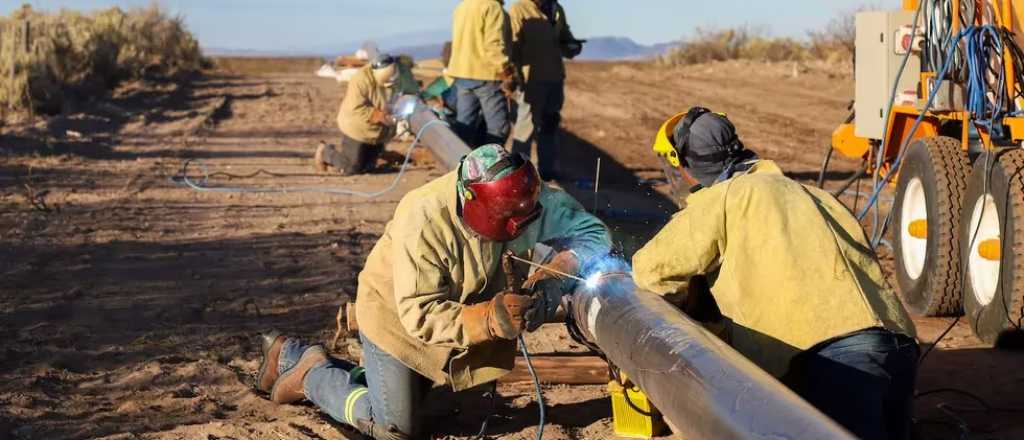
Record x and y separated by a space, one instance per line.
929 196
992 238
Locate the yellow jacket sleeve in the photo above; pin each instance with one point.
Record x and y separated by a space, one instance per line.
423 294
691 244
496 37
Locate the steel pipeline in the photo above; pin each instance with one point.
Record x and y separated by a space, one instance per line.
703 386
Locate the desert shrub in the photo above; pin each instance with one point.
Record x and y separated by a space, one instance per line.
733 44
833 43
73 54
837 40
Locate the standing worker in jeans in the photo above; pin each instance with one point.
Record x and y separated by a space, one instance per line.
484 76
364 118
433 304
541 38
792 269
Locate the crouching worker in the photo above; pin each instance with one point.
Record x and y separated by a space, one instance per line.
364 119
432 304
791 267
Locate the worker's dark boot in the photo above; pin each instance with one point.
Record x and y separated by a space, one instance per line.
319 158
379 432
271 343
288 388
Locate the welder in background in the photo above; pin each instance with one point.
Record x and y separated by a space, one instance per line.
364 117
791 267
484 76
541 38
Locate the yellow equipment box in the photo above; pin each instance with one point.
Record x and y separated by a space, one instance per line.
633 416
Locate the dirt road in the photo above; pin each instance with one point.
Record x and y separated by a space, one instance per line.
128 302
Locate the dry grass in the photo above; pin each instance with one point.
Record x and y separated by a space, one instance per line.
70 55
734 44
834 43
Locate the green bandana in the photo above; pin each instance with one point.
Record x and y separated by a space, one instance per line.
477 162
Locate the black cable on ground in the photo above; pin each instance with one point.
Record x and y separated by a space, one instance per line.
536 384
855 178
824 166
483 426
540 396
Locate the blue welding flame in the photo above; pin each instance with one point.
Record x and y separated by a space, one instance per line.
597 267
405 107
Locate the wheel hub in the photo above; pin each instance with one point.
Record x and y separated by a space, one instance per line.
914 228
983 263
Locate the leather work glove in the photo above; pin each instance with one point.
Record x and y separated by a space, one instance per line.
548 287
503 317
380 117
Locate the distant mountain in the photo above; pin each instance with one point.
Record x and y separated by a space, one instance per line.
620 48
424 52
254 53
597 48
428 44
418 44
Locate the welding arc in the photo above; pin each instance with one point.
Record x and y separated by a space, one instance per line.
548 269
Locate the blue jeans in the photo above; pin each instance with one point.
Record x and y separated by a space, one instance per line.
538 118
389 394
864 381
475 99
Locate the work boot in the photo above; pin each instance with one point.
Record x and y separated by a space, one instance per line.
379 432
288 388
318 158
271 343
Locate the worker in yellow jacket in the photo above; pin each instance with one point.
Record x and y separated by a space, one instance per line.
364 117
791 267
541 38
483 73
433 303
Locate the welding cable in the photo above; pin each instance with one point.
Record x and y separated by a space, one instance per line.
202 186
985 64
1017 58
536 384
982 41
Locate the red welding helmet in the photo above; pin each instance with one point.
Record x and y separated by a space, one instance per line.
502 209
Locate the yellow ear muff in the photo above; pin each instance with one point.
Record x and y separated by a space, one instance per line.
663 145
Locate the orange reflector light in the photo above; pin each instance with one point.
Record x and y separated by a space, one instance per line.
990 249
918 229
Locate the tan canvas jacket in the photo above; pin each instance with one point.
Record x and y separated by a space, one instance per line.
788 264
362 96
427 265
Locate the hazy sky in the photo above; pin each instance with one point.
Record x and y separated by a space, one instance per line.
299 24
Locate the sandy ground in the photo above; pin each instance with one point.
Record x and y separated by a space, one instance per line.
127 302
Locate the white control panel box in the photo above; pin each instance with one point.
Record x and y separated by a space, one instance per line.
882 40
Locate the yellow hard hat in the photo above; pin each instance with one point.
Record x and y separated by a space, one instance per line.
663 144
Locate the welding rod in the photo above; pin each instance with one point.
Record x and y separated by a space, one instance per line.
548 269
